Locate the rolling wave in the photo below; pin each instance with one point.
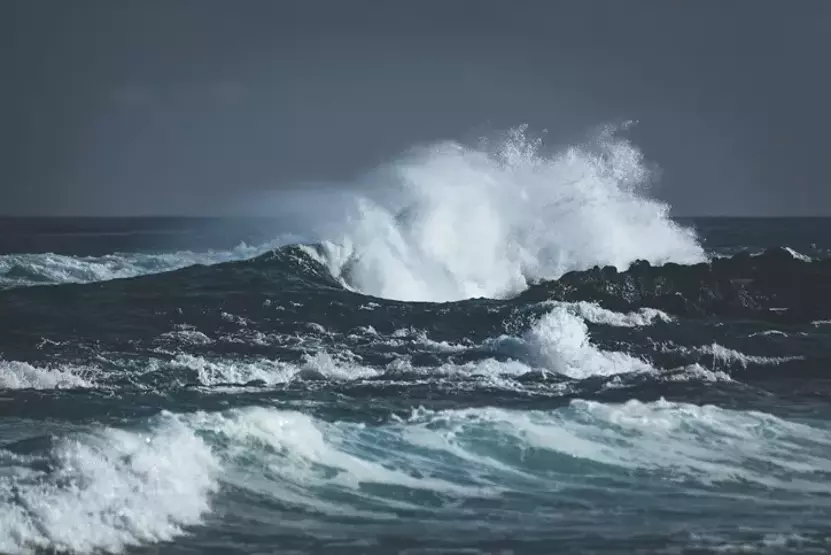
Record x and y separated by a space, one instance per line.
478 348
773 285
546 349
105 488
21 270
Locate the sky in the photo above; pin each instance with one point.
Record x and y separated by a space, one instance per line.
182 107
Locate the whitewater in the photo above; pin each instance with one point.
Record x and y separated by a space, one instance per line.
454 222
446 222
500 347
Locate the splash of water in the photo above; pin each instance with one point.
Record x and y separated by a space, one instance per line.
453 222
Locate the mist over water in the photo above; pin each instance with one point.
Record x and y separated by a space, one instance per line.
443 222
447 222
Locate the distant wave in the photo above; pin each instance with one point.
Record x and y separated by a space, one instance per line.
775 285
20 270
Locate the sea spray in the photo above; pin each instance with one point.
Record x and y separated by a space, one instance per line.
454 222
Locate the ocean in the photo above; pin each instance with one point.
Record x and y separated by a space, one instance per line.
504 353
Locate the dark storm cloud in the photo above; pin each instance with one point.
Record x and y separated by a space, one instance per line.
139 107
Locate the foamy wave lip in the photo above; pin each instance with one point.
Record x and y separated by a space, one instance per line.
691 373
322 366
107 490
303 458
675 440
217 372
794 253
21 375
187 334
768 333
419 337
559 342
726 356
594 313
265 372
690 440
488 373
454 222
17 270
695 372
478 451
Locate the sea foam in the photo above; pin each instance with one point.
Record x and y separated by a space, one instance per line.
20 270
449 222
106 489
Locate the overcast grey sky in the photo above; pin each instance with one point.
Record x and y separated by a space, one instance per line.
180 107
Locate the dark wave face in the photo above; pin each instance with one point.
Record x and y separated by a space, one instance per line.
265 390
600 395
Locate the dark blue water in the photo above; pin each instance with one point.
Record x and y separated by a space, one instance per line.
189 386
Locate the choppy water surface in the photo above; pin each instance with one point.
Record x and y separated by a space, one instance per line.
475 362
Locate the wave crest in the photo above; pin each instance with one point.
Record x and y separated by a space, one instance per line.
453 222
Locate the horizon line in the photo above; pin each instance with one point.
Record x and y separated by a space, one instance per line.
262 217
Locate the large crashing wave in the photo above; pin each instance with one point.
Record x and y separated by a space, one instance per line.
452 222
447 222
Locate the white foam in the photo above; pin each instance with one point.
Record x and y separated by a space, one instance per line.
233 318
187 335
410 335
695 372
793 252
302 458
456 452
325 365
22 375
269 372
107 490
768 333
559 342
450 222
47 268
726 356
675 440
594 313
798 255
214 372
706 442
489 372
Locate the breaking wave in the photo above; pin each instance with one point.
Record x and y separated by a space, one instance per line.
20 270
110 488
104 490
448 222
22 375
453 222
